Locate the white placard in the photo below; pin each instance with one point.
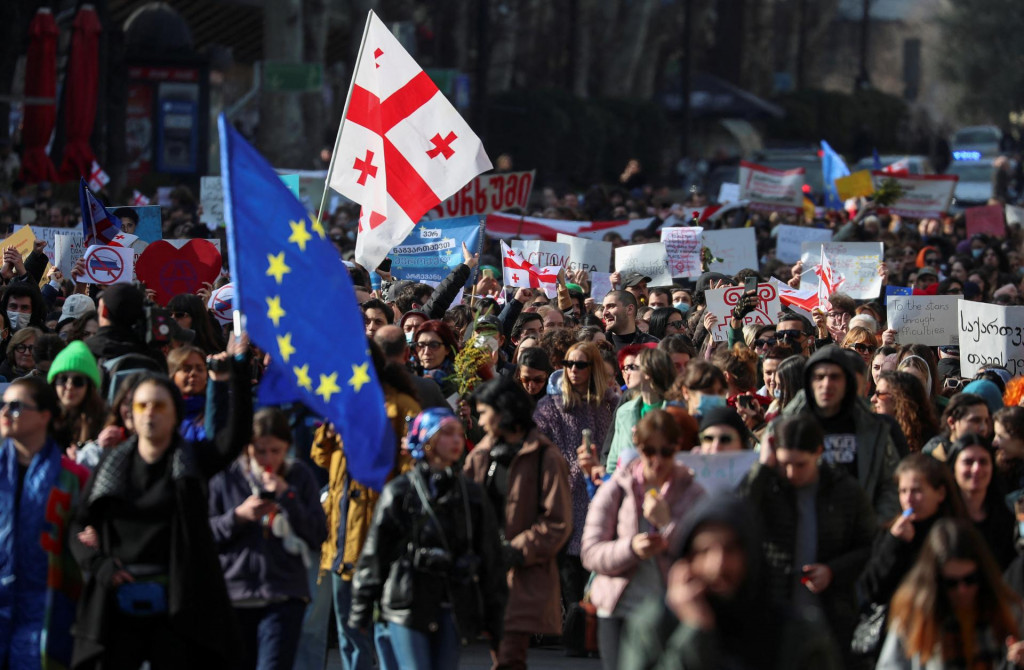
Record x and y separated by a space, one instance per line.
109 265
790 238
737 247
542 254
683 246
856 262
718 472
990 335
924 319
924 195
67 250
1014 215
211 196
600 285
721 302
649 259
584 254
728 192
778 190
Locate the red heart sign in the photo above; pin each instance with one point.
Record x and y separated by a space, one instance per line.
170 271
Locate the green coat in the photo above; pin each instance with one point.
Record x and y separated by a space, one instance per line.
626 417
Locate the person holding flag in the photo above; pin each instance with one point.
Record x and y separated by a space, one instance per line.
99 226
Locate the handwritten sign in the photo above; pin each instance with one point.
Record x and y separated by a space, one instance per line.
683 246
728 192
718 472
924 319
585 254
923 195
489 193
987 220
991 335
772 189
542 253
649 259
790 238
211 196
721 302
737 247
600 285
67 250
856 262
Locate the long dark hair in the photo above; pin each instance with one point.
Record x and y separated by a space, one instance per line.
659 321
511 402
913 410
207 337
938 476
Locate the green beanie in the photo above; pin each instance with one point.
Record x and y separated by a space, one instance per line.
75 357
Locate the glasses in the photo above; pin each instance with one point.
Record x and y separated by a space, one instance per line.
678 325
157 406
953 384
433 345
788 334
882 394
532 380
16 407
767 342
970 579
630 367
179 315
838 316
664 452
582 365
77 381
23 348
862 348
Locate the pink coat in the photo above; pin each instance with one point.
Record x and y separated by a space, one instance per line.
613 520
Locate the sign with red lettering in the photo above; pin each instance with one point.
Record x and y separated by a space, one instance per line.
489 193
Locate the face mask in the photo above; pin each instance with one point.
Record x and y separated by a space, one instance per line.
408 337
709 402
976 253
15 319
682 307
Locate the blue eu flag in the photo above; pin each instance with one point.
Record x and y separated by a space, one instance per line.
300 306
832 167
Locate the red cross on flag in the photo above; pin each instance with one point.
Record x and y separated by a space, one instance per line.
139 200
518 271
97 177
402 147
829 281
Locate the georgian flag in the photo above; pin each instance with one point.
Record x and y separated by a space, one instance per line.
402 147
139 200
97 177
829 281
519 272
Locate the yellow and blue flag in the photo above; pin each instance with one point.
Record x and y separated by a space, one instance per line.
300 307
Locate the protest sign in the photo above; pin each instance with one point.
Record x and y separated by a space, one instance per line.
67 250
896 290
27 216
23 239
991 335
542 253
1014 215
504 226
721 302
163 196
600 285
434 248
923 195
728 192
221 302
108 265
737 247
211 197
489 193
766 188
855 185
720 472
170 270
924 319
856 263
649 259
987 220
787 246
589 255
683 244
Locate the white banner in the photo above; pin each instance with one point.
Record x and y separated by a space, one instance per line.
775 189
991 335
683 246
66 252
718 472
589 255
489 193
649 259
737 247
790 238
925 195
856 262
721 302
543 254
109 265
924 319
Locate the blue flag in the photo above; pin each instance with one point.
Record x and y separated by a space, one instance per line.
98 225
832 167
300 306
876 162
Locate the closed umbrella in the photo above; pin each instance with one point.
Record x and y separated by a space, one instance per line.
40 82
82 91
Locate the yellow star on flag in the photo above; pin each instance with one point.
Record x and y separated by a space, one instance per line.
359 376
302 377
328 386
318 227
277 269
284 345
299 234
274 310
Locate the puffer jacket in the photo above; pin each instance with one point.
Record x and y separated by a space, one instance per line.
349 505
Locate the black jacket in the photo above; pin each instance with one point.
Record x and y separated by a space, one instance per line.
446 291
891 560
111 341
401 565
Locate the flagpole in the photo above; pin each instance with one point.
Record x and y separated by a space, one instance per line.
348 99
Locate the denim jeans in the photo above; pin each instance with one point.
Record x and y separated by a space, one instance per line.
355 648
416 650
270 634
312 653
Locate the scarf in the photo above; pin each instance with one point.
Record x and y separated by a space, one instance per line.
441 372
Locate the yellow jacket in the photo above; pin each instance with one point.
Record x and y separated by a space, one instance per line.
328 453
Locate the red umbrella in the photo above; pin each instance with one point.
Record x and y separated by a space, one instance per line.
40 82
82 92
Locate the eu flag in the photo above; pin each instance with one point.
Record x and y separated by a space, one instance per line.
300 306
832 167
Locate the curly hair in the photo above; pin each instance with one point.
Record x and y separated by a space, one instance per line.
911 408
740 363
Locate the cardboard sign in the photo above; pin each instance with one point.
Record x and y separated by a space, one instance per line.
896 290
648 259
855 185
589 255
108 265
718 472
600 285
991 335
777 190
737 247
169 270
856 262
790 238
221 304
68 249
211 197
434 248
683 245
23 239
987 220
924 319
542 253
924 196
728 192
489 193
721 302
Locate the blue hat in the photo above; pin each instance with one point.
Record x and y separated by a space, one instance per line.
988 391
425 426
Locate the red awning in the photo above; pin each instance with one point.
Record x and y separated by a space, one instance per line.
40 82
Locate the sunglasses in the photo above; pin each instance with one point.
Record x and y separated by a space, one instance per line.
788 334
16 407
882 394
432 345
77 381
179 315
862 348
583 365
970 579
766 342
678 324
664 452
158 406
953 384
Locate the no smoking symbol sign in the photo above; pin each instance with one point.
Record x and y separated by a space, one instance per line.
104 266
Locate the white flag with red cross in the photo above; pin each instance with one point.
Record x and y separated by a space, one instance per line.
829 281
519 272
139 200
402 147
97 177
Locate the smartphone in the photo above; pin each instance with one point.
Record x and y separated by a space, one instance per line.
385 265
750 285
588 437
267 495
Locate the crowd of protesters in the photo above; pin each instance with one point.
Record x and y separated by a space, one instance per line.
149 514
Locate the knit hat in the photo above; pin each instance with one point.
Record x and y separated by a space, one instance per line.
724 416
75 357
988 391
425 426
75 306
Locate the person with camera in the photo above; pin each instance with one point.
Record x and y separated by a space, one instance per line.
155 590
266 518
432 559
122 309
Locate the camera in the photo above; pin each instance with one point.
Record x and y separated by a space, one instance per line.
217 364
432 559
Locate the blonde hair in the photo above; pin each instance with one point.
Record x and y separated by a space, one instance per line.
598 384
